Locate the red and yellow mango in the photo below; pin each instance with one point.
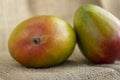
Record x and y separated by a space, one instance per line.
42 41
98 34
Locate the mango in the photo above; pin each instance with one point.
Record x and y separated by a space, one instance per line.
42 41
98 34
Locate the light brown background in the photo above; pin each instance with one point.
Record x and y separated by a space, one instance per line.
13 12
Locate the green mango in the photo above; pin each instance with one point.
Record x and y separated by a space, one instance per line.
98 34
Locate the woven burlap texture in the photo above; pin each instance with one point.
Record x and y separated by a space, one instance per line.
70 70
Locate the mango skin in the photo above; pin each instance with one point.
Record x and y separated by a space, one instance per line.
98 34
42 41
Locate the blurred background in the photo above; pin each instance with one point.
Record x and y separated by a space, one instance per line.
13 12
